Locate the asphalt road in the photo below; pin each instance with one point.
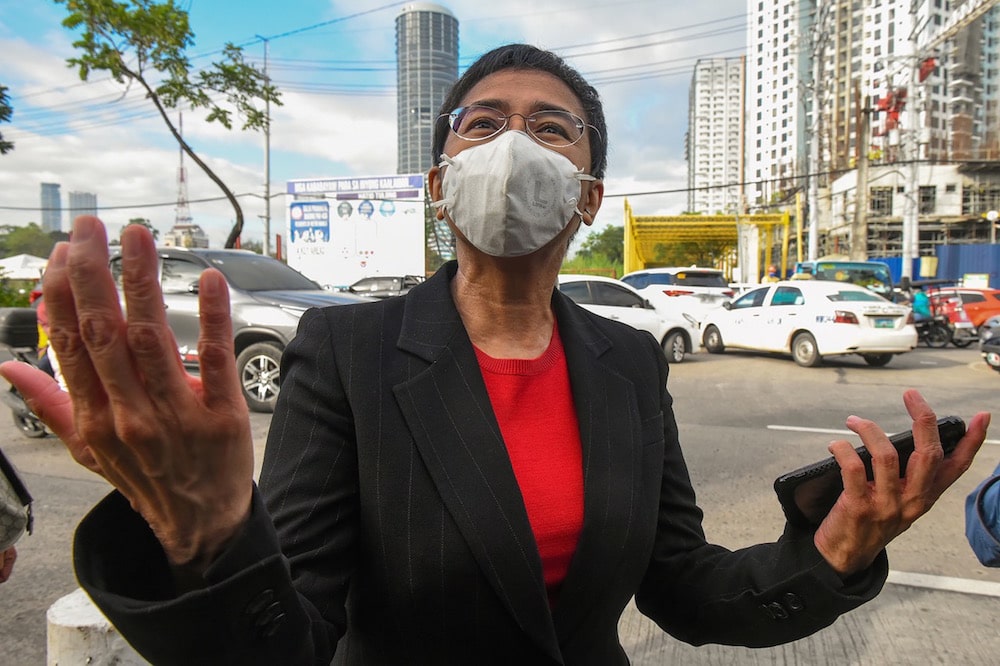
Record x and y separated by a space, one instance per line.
743 419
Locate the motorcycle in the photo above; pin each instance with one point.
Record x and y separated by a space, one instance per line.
19 335
989 346
933 331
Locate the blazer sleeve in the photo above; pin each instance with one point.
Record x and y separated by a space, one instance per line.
982 520
759 596
268 599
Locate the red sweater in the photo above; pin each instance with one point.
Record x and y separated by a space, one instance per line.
534 407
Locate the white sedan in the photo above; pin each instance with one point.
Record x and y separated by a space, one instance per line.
811 320
616 300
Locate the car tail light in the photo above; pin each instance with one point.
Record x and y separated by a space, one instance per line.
844 317
677 292
728 293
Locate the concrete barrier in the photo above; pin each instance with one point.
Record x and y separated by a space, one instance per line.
78 633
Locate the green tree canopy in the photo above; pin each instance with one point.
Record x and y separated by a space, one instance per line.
146 223
609 244
28 240
6 111
143 42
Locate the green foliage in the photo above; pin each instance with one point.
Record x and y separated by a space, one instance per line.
146 223
11 296
27 240
6 111
601 253
690 253
143 42
607 245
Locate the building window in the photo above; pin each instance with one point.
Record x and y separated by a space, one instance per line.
880 199
928 199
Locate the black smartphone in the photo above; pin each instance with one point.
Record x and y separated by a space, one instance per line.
807 494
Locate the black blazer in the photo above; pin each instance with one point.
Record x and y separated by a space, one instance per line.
403 536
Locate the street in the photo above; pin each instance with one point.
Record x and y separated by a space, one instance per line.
744 419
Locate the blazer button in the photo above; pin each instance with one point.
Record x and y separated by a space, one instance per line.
269 621
793 602
259 603
778 611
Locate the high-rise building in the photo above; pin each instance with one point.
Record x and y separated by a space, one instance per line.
51 207
715 136
426 67
82 203
778 66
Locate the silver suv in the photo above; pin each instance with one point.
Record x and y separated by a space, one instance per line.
267 298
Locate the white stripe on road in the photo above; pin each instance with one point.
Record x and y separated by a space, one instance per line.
945 583
830 431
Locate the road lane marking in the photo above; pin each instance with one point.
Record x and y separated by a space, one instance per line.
945 583
831 431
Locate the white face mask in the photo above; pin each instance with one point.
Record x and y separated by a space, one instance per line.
510 196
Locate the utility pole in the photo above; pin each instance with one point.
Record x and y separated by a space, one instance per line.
267 158
818 39
911 211
859 227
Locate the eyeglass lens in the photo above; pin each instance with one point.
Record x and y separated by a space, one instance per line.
554 128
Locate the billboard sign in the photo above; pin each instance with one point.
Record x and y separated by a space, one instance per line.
343 229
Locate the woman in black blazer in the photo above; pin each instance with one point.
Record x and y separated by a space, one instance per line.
403 514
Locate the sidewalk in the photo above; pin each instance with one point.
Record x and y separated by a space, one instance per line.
902 626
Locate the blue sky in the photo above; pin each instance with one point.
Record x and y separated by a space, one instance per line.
335 65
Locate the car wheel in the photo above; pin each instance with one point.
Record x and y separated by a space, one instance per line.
804 350
938 336
259 366
713 340
877 360
963 343
674 347
993 360
29 426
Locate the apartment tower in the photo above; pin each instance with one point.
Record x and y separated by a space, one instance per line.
426 67
51 207
82 203
715 136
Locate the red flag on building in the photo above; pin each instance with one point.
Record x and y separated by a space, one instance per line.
927 68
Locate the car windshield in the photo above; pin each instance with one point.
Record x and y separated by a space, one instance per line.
876 278
253 272
853 295
689 279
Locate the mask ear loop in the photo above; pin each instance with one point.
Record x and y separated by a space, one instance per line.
442 204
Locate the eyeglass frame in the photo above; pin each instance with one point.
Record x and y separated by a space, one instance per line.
526 118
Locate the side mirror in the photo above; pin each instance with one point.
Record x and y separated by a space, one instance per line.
728 305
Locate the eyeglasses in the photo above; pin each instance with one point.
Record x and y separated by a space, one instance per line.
552 128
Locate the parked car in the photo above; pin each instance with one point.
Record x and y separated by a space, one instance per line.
615 300
979 304
812 319
384 286
267 298
676 290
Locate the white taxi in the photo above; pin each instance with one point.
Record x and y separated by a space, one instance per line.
811 320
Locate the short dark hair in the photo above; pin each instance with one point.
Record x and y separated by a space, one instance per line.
524 56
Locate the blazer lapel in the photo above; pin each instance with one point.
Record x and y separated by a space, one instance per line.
453 425
610 435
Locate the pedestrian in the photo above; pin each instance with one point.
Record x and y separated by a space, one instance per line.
982 520
480 472
772 274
